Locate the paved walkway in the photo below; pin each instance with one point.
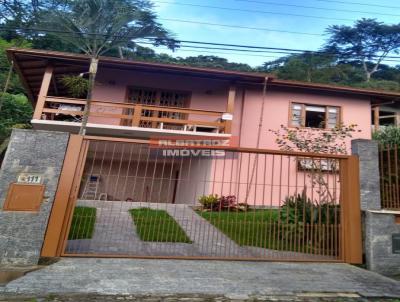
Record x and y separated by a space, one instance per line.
115 233
223 278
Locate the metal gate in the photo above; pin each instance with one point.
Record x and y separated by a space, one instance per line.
129 198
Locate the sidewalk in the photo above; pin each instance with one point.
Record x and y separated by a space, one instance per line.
241 280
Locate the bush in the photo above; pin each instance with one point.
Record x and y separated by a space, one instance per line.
298 211
209 202
223 203
227 202
389 135
76 86
16 112
301 209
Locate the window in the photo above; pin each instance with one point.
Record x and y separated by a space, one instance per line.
157 97
314 116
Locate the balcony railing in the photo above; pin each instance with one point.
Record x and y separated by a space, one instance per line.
135 115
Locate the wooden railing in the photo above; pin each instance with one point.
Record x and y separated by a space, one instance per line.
135 115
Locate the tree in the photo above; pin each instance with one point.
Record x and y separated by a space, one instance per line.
323 141
9 81
368 41
300 67
16 113
97 26
213 62
388 136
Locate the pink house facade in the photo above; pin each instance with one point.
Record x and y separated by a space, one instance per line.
142 101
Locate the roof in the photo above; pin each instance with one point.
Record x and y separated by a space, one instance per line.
31 64
335 88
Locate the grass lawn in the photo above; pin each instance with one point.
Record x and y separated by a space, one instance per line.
83 221
258 228
157 226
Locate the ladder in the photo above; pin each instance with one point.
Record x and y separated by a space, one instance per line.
91 187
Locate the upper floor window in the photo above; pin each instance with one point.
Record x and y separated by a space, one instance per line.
158 97
314 116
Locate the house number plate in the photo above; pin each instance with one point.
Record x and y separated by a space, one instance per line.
396 243
30 178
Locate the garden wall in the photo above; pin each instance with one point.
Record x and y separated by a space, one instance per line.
380 226
41 153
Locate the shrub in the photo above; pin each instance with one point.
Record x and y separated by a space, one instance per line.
76 86
301 209
389 135
209 202
223 203
227 202
298 211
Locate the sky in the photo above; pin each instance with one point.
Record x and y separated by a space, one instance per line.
265 15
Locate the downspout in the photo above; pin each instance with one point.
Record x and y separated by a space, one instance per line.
260 124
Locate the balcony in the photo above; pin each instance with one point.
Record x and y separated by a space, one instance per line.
128 120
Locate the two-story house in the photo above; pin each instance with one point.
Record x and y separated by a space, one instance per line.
138 105
140 100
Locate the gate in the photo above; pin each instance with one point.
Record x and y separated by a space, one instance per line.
129 198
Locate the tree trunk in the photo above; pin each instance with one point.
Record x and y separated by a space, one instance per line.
5 89
94 62
368 76
121 55
366 71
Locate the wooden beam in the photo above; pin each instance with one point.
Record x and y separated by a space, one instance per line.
57 70
137 114
43 92
56 226
376 118
33 64
397 119
350 211
230 107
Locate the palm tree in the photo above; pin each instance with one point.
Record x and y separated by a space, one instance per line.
97 26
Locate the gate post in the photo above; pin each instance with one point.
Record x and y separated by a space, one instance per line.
379 225
37 153
367 152
59 214
351 212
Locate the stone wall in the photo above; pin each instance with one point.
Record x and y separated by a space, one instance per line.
379 228
367 151
379 225
22 233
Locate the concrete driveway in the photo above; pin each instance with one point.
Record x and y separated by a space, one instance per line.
175 277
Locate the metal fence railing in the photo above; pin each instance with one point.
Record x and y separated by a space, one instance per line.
138 200
389 166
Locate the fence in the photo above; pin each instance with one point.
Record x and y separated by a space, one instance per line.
389 176
139 200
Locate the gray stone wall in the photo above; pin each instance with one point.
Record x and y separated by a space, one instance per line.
367 151
22 233
378 225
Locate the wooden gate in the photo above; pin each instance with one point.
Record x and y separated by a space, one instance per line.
129 198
